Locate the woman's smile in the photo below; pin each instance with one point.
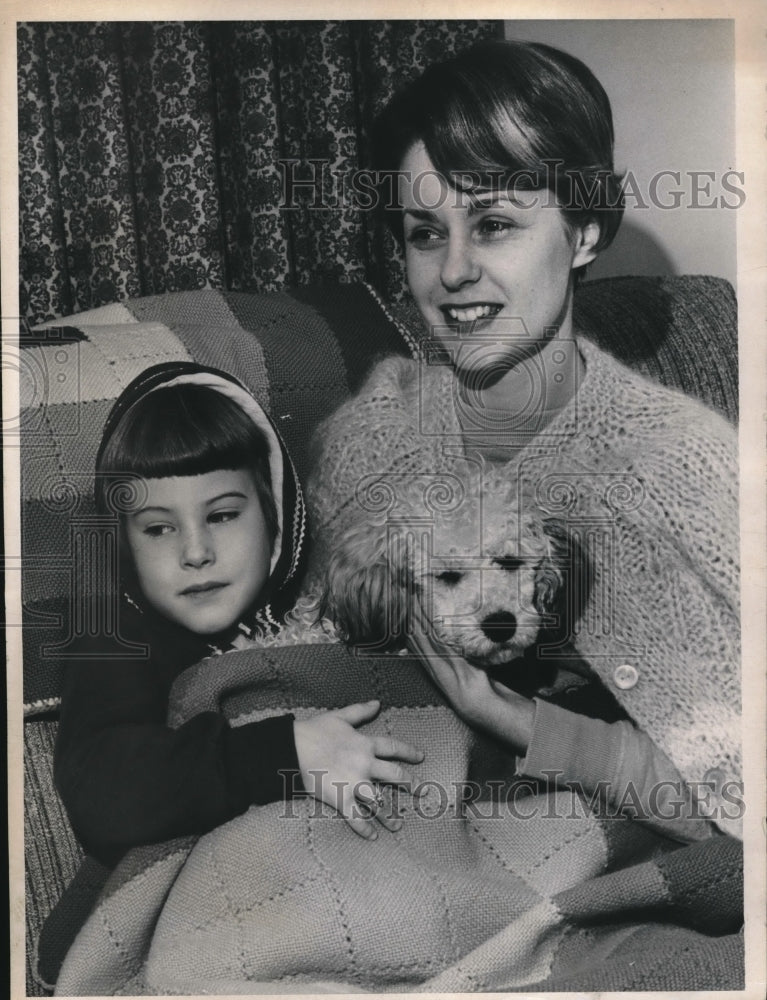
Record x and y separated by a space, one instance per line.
470 312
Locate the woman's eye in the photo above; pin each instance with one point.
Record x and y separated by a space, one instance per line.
495 228
423 236
450 577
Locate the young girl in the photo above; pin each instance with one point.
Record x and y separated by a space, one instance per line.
506 192
211 527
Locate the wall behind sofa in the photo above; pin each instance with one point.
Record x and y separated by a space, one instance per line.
671 85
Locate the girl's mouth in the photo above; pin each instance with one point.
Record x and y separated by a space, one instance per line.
202 588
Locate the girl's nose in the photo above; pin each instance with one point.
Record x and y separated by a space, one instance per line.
197 550
459 265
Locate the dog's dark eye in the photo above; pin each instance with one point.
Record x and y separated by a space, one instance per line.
450 576
509 563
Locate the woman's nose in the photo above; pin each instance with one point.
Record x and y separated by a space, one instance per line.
197 549
459 265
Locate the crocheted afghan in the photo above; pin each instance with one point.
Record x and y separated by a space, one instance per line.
485 888
645 476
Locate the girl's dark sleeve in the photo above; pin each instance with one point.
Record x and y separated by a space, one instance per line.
126 778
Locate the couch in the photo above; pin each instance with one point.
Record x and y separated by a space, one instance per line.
302 351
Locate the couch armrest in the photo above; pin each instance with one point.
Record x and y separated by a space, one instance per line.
52 854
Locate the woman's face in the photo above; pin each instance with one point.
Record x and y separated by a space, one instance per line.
490 273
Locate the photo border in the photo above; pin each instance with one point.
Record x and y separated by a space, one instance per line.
750 20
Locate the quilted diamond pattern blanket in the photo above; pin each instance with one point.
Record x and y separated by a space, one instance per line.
489 886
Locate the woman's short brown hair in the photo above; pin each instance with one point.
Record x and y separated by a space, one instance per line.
511 114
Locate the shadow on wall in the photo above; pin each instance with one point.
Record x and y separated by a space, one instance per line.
634 251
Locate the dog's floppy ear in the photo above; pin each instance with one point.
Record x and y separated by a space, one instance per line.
367 584
552 569
563 579
548 587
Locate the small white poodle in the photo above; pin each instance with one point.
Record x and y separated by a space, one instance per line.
499 585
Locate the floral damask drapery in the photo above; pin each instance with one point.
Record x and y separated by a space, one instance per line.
159 156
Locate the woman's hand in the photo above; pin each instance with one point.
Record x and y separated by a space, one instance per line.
345 768
481 702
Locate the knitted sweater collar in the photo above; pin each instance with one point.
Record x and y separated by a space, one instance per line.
446 417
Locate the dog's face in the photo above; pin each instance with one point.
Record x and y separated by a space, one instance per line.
488 601
487 576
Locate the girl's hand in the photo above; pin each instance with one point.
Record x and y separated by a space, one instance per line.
481 702
345 768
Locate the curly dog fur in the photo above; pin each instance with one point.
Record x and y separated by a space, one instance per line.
501 586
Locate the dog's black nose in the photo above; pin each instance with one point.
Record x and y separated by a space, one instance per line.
500 626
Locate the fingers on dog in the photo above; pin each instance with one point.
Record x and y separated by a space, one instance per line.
423 640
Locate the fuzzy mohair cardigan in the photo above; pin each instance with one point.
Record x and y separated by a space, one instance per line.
648 477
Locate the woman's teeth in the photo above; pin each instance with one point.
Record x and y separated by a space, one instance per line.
471 314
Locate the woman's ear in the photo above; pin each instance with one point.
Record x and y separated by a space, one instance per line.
586 239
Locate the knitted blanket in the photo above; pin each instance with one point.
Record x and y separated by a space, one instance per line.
489 886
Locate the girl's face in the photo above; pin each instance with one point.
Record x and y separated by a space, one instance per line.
490 273
201 548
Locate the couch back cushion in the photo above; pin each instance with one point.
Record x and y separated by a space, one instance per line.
301 352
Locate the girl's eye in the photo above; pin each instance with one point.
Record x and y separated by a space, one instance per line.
450 577
222 516
156 530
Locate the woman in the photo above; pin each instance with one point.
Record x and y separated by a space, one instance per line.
505 192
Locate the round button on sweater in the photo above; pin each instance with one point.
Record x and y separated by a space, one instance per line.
625 676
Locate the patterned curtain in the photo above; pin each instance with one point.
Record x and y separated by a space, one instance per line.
160 156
